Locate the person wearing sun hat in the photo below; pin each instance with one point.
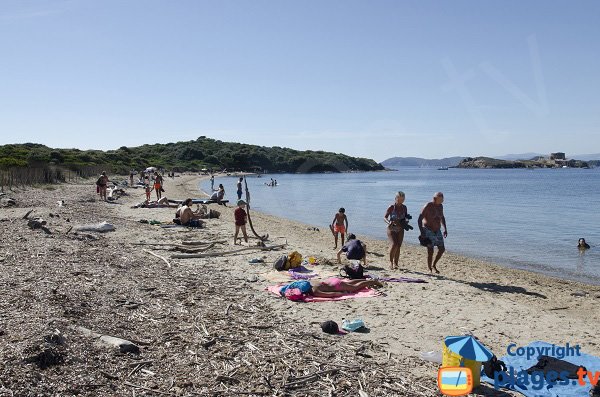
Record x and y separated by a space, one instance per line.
240 217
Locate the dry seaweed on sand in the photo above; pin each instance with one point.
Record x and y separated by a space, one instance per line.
199 329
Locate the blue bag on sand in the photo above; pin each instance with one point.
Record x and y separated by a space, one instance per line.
303 285
353 325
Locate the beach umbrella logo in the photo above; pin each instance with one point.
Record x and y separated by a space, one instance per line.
468 347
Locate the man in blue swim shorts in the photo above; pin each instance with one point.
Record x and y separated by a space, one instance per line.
430 222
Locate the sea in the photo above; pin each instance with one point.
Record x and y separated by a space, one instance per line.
528 219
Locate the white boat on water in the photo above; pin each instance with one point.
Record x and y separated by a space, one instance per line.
443 169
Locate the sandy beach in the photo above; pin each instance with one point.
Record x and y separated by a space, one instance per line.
206 326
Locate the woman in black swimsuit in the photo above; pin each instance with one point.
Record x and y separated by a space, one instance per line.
395 232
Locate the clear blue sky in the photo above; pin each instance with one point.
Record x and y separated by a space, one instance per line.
369 78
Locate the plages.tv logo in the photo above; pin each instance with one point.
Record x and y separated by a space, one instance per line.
549 371
455 381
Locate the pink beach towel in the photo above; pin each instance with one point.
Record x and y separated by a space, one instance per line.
363 293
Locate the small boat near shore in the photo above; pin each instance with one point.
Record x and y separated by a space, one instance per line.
442 168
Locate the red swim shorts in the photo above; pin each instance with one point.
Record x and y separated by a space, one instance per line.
339 229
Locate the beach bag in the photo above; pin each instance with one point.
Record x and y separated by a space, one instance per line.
353 272
294 260
177 221
302 285
491 367
99 181
280 263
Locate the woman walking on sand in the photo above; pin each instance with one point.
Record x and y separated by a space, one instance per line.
395 232
102 182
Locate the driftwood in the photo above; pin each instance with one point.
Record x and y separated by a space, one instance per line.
158 256
203 242
213 254
123 345
261 238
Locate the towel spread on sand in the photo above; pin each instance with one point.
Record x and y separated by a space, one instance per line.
521 363
364 293
302 273
397 279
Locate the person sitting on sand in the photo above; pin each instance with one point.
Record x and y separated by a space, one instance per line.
189 217
354 249
339 224
582 245
334 287
430 222
240 216
219 194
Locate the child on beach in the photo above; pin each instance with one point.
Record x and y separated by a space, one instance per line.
339 225
148 189
240 221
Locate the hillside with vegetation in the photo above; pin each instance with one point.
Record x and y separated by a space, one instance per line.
186 156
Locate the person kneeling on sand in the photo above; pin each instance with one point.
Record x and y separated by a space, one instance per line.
331 287
354 249
189 217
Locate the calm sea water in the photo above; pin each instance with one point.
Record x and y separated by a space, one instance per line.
527 219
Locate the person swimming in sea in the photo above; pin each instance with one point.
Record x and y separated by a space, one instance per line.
582 245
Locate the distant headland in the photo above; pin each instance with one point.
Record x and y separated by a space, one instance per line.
527 160
554 160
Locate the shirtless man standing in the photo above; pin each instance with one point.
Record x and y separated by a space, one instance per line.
430 222
339 224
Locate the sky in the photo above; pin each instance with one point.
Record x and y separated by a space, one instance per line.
374 79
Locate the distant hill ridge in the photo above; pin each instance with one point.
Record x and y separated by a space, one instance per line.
592 159
421 162
187 156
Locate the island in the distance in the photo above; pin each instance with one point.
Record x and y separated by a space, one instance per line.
554 160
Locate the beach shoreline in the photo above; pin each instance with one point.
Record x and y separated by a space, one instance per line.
500 306
488 277
412 246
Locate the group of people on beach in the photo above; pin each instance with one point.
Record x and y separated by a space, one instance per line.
431 221
156 183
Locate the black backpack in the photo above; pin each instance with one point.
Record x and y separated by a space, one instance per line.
492 366
280 263
353 272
